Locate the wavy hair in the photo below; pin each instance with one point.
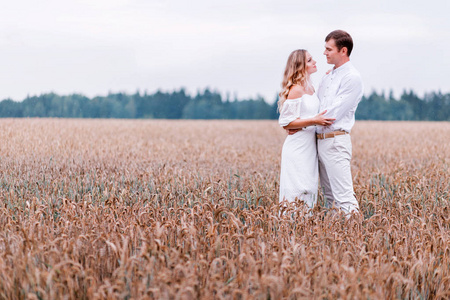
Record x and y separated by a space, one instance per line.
294 73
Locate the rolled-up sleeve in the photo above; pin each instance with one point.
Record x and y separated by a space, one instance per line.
289 112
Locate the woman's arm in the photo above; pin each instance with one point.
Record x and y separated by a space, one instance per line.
316 120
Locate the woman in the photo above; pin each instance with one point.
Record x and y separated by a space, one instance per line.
298 106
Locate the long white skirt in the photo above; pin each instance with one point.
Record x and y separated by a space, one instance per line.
299 176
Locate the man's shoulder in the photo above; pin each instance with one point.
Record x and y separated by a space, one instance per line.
352 78
352 74
352 71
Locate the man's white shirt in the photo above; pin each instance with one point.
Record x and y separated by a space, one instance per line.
339 93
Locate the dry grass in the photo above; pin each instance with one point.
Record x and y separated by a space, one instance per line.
104 209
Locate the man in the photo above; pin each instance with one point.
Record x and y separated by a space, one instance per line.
339 93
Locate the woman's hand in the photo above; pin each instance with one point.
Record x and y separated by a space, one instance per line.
321 120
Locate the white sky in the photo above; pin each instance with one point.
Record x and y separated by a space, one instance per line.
237 46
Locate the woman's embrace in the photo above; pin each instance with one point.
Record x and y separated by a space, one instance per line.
299 107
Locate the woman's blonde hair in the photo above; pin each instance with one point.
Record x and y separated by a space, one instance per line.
295 73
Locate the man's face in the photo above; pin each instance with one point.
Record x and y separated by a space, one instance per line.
332 53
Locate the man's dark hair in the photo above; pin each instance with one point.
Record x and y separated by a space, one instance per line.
342 39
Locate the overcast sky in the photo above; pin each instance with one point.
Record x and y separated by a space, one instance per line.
237 46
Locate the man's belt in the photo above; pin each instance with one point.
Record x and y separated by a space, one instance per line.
327 135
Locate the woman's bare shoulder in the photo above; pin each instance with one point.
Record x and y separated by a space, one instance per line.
296 91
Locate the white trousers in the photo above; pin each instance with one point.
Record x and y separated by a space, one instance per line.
335 173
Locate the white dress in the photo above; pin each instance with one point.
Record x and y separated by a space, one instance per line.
299 174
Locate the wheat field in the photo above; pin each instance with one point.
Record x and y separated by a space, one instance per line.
127 209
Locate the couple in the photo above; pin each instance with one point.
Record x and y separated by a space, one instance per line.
319 144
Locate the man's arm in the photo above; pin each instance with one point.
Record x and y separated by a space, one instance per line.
348 97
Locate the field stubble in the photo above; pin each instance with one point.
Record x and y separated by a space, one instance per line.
188 209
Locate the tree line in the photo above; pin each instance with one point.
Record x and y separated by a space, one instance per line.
208 104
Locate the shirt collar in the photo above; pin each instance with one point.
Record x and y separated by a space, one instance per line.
344 67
